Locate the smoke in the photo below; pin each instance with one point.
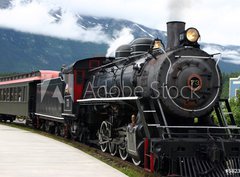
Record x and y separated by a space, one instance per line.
36 17
177 9
121 37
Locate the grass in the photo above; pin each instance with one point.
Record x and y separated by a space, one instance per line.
125 167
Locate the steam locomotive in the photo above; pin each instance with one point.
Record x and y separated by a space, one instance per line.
149 103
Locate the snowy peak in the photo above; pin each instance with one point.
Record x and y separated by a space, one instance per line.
230 54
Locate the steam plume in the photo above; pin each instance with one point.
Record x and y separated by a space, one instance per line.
177 9
121 37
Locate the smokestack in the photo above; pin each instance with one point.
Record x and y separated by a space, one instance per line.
174 28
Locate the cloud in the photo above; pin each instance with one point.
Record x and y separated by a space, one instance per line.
121 37
35 17
216 19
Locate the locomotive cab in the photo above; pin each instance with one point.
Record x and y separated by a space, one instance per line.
75 77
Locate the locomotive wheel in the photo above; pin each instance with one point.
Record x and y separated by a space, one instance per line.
104 147
113 148
48 127
56 130
136 162
62 131
20 118
123 151
74 130
103 136
42 125
83 135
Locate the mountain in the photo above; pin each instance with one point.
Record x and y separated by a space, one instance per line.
228 67
110 26
23 52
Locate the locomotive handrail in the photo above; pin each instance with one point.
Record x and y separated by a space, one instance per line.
108 99
191 56
53 117
117 61
108 64
195 56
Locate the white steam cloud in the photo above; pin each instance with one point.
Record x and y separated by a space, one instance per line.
177 9
121 37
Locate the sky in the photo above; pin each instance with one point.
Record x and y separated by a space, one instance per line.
218 21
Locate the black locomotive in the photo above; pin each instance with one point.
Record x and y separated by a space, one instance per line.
150 103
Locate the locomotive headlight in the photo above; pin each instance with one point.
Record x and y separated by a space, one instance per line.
157 44
192 34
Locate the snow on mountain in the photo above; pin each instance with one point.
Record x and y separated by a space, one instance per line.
230 54
150 35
